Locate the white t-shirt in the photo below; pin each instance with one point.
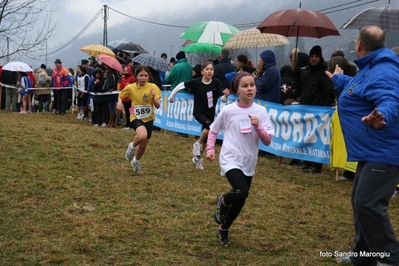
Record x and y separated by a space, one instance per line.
240 147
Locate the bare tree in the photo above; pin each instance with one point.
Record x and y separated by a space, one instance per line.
25 26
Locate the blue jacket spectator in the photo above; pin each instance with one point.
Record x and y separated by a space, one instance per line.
269 79
377 64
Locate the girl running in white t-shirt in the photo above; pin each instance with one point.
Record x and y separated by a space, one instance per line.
244 123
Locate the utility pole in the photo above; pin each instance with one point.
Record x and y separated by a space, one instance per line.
105 37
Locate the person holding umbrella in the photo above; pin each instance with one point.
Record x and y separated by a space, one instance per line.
369 114
100 101
10 78
93 64
317 90
111 77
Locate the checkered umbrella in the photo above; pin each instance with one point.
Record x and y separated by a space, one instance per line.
252 38
386 17
153 61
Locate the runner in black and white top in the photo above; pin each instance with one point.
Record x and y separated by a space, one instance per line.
244 123
206 91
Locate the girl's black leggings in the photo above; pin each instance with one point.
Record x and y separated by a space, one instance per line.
237 195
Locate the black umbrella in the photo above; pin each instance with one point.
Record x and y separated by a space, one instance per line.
386 17
132 48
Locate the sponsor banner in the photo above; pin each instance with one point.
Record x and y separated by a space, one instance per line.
178 116
301 131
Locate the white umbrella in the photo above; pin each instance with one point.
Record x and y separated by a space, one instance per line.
17 66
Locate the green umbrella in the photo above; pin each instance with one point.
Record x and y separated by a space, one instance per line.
214 32
202 48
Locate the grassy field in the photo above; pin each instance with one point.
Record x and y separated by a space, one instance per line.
69 197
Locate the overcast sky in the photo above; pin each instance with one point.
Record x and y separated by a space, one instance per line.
73 15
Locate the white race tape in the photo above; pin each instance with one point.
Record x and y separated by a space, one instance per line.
63 88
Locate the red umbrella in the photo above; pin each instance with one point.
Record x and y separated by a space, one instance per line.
111 62
298 22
